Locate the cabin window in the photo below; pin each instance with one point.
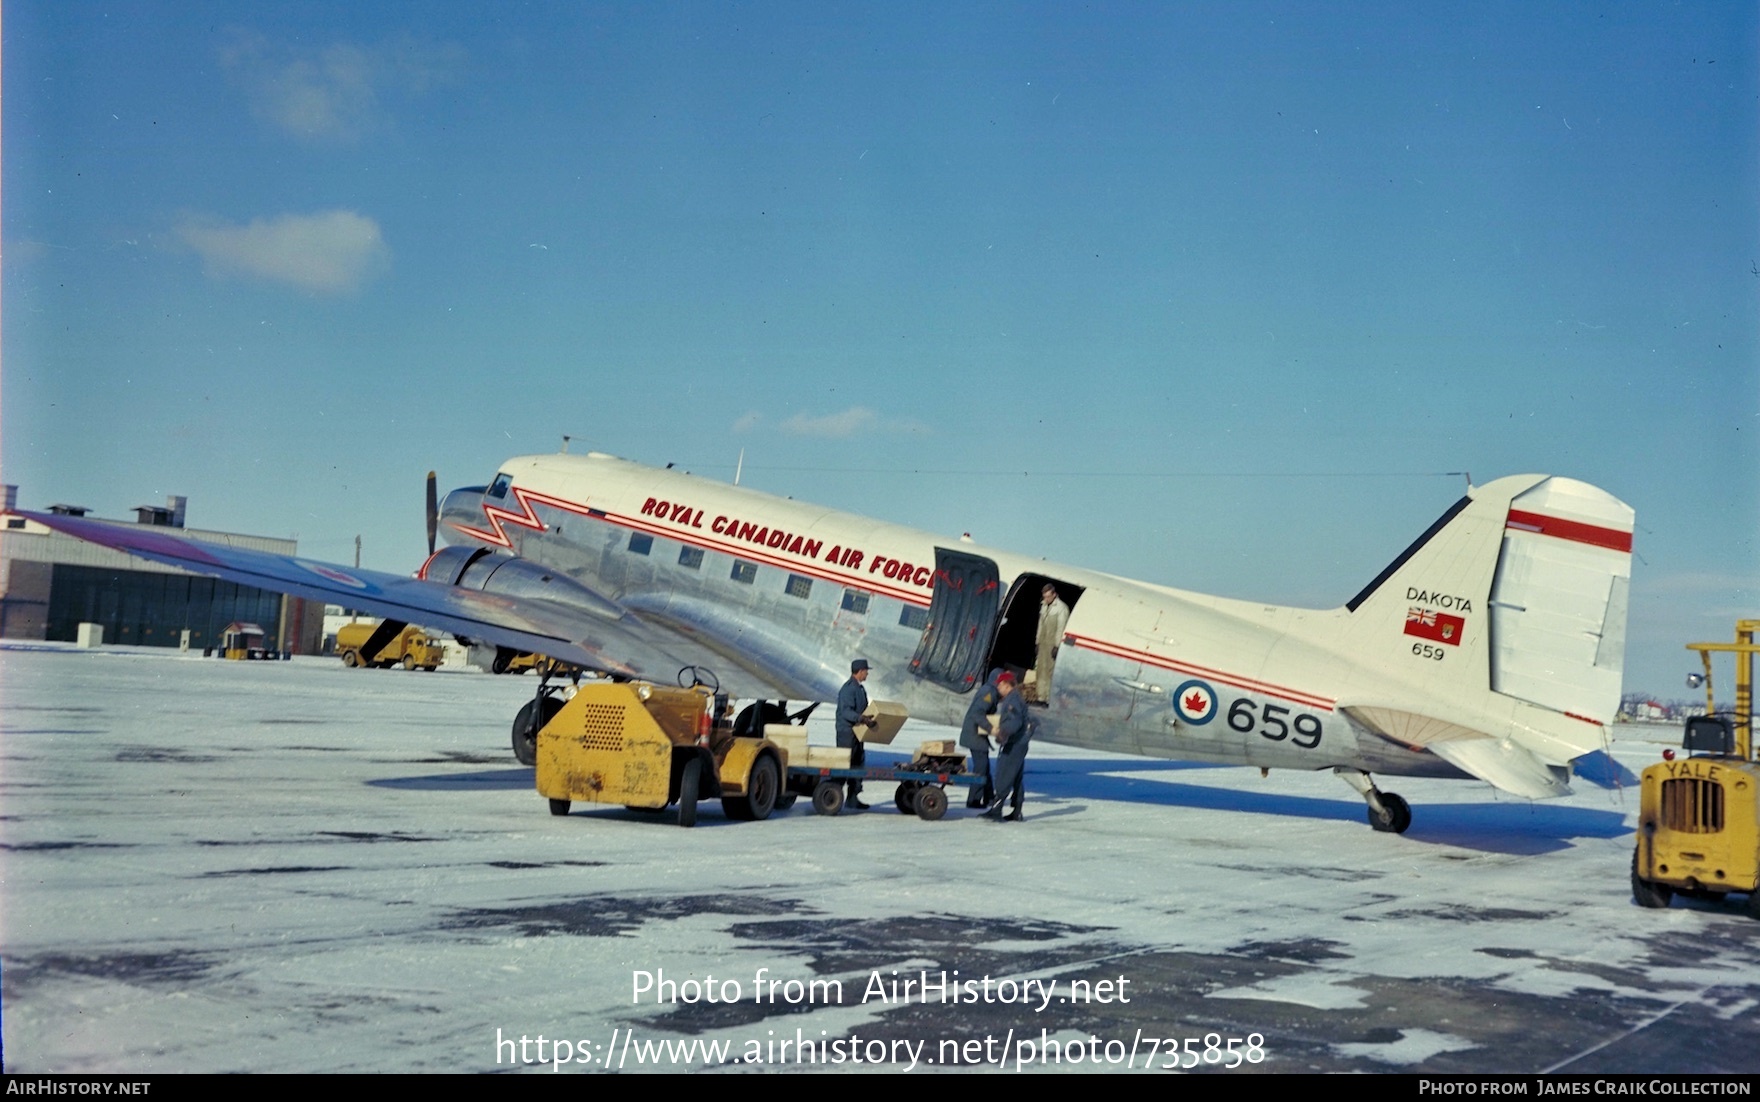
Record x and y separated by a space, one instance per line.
914 618
641 543
691 557
855 602
744 572
798 586
498 490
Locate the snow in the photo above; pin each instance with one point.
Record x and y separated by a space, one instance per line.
226 866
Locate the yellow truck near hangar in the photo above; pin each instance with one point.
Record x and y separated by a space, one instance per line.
1699 814
410 647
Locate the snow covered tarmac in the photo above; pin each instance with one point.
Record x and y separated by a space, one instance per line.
224 866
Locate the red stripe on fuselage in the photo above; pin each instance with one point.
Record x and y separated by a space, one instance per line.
1249 684
529 519
1574 530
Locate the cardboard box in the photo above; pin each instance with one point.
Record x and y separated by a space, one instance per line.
890 717
939 748
791 737
826 757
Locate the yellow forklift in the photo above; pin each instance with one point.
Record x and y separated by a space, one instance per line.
1699 814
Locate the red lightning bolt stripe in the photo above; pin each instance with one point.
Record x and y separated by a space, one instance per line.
527 517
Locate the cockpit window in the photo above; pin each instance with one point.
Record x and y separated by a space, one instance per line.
498 489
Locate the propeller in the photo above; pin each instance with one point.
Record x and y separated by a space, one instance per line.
433 513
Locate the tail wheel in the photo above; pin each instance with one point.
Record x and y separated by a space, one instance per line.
526 725
1648 893
762 785
688 784
1398 817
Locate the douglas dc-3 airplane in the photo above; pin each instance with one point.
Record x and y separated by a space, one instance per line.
1491 648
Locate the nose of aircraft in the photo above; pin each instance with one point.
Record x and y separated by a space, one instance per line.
463 506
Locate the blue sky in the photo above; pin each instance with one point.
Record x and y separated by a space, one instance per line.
1218 296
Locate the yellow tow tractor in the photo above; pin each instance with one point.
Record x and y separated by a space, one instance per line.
648 747
1699 816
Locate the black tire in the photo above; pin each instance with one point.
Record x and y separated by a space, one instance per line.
559 807
784 801
762 785
351 659
753 718
1649 894
498 664
828 797
1398 817
931 802
525 732
689 782
905 798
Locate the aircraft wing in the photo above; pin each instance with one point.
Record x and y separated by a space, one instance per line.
589 629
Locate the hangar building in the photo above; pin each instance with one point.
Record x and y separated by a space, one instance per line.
51 583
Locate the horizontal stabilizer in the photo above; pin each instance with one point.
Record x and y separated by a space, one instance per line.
1506 765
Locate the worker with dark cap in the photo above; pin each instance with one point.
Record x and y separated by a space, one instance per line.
1015 728
852 708
974 736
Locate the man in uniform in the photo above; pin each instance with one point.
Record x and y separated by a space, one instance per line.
1053 618
974 737
852 706
1015 728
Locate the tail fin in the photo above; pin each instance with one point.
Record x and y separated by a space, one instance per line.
1503 628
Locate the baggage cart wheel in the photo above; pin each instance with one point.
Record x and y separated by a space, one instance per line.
828 797
931 802
905 799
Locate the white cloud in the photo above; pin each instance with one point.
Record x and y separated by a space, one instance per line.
335 93
854 421
331 251
839 425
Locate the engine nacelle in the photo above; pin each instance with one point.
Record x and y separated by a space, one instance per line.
512 576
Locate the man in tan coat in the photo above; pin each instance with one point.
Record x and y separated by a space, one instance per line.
1053 618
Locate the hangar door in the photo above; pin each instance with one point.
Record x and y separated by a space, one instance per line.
963 603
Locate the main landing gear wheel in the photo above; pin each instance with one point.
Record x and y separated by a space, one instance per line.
1653 895
761 788
828 798
1397 818
528 723
905 799
931 803
688 784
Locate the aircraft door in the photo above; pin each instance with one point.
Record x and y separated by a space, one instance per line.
963 603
